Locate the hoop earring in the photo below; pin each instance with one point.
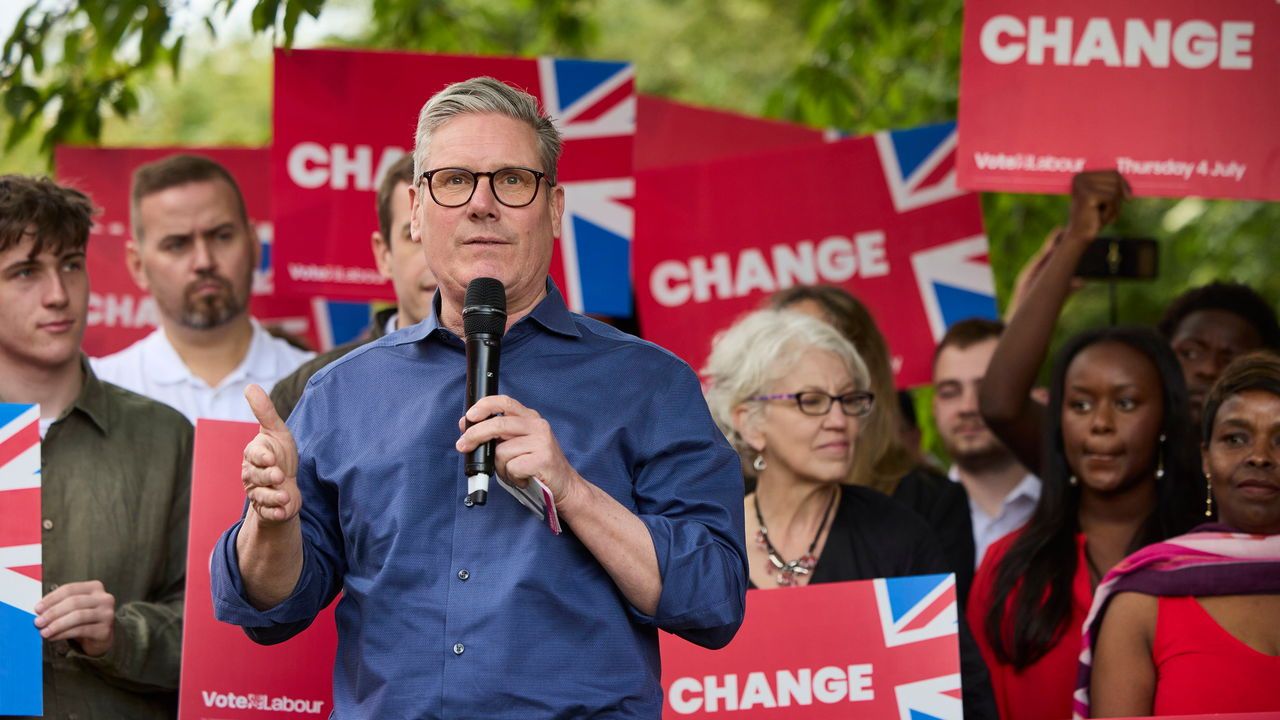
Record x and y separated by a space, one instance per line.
1208 496
759 463
1160 459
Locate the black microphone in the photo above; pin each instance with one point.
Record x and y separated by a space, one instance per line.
484 319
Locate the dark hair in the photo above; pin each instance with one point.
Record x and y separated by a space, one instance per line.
56 216
1256 371
967 333
400 172
880 460
173 171
1235 298
1033 581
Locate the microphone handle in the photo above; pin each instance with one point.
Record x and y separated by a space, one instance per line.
483 351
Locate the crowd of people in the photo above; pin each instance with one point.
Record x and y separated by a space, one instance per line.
1114 536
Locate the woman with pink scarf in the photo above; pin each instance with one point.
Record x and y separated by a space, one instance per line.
1178 623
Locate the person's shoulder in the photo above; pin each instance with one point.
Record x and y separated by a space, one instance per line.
140 412
285 352
127 357
607 338
872 508
355 357
304 371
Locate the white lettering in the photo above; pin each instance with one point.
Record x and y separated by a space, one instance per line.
757 692
1040 39
663 283
1237 41
714 694
1152 44
301 159
860 683
1097 43
127 311
676 696
989 39
830 684
355 166
763 270
798 687
1193 44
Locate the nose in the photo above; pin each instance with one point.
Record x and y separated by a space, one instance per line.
483 203
55 291
203 257
969 401
1262 454
1103 420
835 417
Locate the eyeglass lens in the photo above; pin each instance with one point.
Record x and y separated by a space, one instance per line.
514 187
819 403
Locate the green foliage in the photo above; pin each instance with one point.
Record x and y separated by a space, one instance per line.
68 66
508 27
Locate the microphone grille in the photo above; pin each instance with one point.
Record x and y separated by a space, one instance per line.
485 307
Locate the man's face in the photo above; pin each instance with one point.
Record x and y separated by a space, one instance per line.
43 304
402 261
1205 342
484 238
195 254
957 378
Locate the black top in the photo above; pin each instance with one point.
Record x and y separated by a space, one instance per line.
944 505
873 536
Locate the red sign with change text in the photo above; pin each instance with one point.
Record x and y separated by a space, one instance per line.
872 649
121 313
879 216
1180 96
342 118
225 675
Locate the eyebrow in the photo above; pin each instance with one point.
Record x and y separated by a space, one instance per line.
25 262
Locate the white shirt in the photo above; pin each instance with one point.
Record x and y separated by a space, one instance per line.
1015 511
151 367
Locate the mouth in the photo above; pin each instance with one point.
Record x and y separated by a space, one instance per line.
57 326
485 241
1102 458
836 446
1256 487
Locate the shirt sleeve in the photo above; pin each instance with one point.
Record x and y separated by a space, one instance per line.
689 491
146 652
323 553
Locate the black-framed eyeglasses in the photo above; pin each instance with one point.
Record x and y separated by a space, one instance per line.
514 186
814 402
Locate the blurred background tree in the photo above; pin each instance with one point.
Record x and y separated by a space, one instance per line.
137 72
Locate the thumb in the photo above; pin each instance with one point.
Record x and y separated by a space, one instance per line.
263 410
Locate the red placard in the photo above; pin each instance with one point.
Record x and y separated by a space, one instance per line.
675 133
120 313
883 648
1178 95
225 675
342 117
879 216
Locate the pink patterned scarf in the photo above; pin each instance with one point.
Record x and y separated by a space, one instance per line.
1209 560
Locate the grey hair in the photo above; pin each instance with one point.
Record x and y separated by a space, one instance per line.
762 347
481 95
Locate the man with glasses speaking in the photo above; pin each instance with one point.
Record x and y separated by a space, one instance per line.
456 609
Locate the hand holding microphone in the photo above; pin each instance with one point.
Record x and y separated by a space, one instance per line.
484 320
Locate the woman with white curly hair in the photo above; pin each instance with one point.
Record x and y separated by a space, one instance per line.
790 393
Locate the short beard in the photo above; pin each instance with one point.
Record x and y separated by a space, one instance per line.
992 458
211 311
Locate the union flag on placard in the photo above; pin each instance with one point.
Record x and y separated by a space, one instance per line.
886 649
21 684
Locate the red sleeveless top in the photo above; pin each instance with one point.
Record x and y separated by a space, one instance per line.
1202 668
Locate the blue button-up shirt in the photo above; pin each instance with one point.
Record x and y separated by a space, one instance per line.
450 611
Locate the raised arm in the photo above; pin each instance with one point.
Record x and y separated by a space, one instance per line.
1006 405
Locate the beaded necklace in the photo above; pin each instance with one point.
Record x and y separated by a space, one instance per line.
788 570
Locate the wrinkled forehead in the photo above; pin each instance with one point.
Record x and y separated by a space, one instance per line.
483 141
193 207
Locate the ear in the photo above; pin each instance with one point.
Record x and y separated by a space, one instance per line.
415 199
381 253
746 423
557 209
133 261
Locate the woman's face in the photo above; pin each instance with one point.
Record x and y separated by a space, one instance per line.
1112 408
812 448
1241 461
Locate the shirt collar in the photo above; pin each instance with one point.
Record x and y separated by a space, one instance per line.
164 366
551 313
92 400
1029 487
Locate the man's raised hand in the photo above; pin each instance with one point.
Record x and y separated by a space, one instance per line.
270 468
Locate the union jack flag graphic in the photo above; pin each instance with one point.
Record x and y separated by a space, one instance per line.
954 278
21 689
914 610
594 106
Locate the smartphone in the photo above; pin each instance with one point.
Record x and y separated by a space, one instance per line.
1130 258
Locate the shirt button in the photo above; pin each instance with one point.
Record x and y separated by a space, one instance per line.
458 648
465 501
463 575
47 524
